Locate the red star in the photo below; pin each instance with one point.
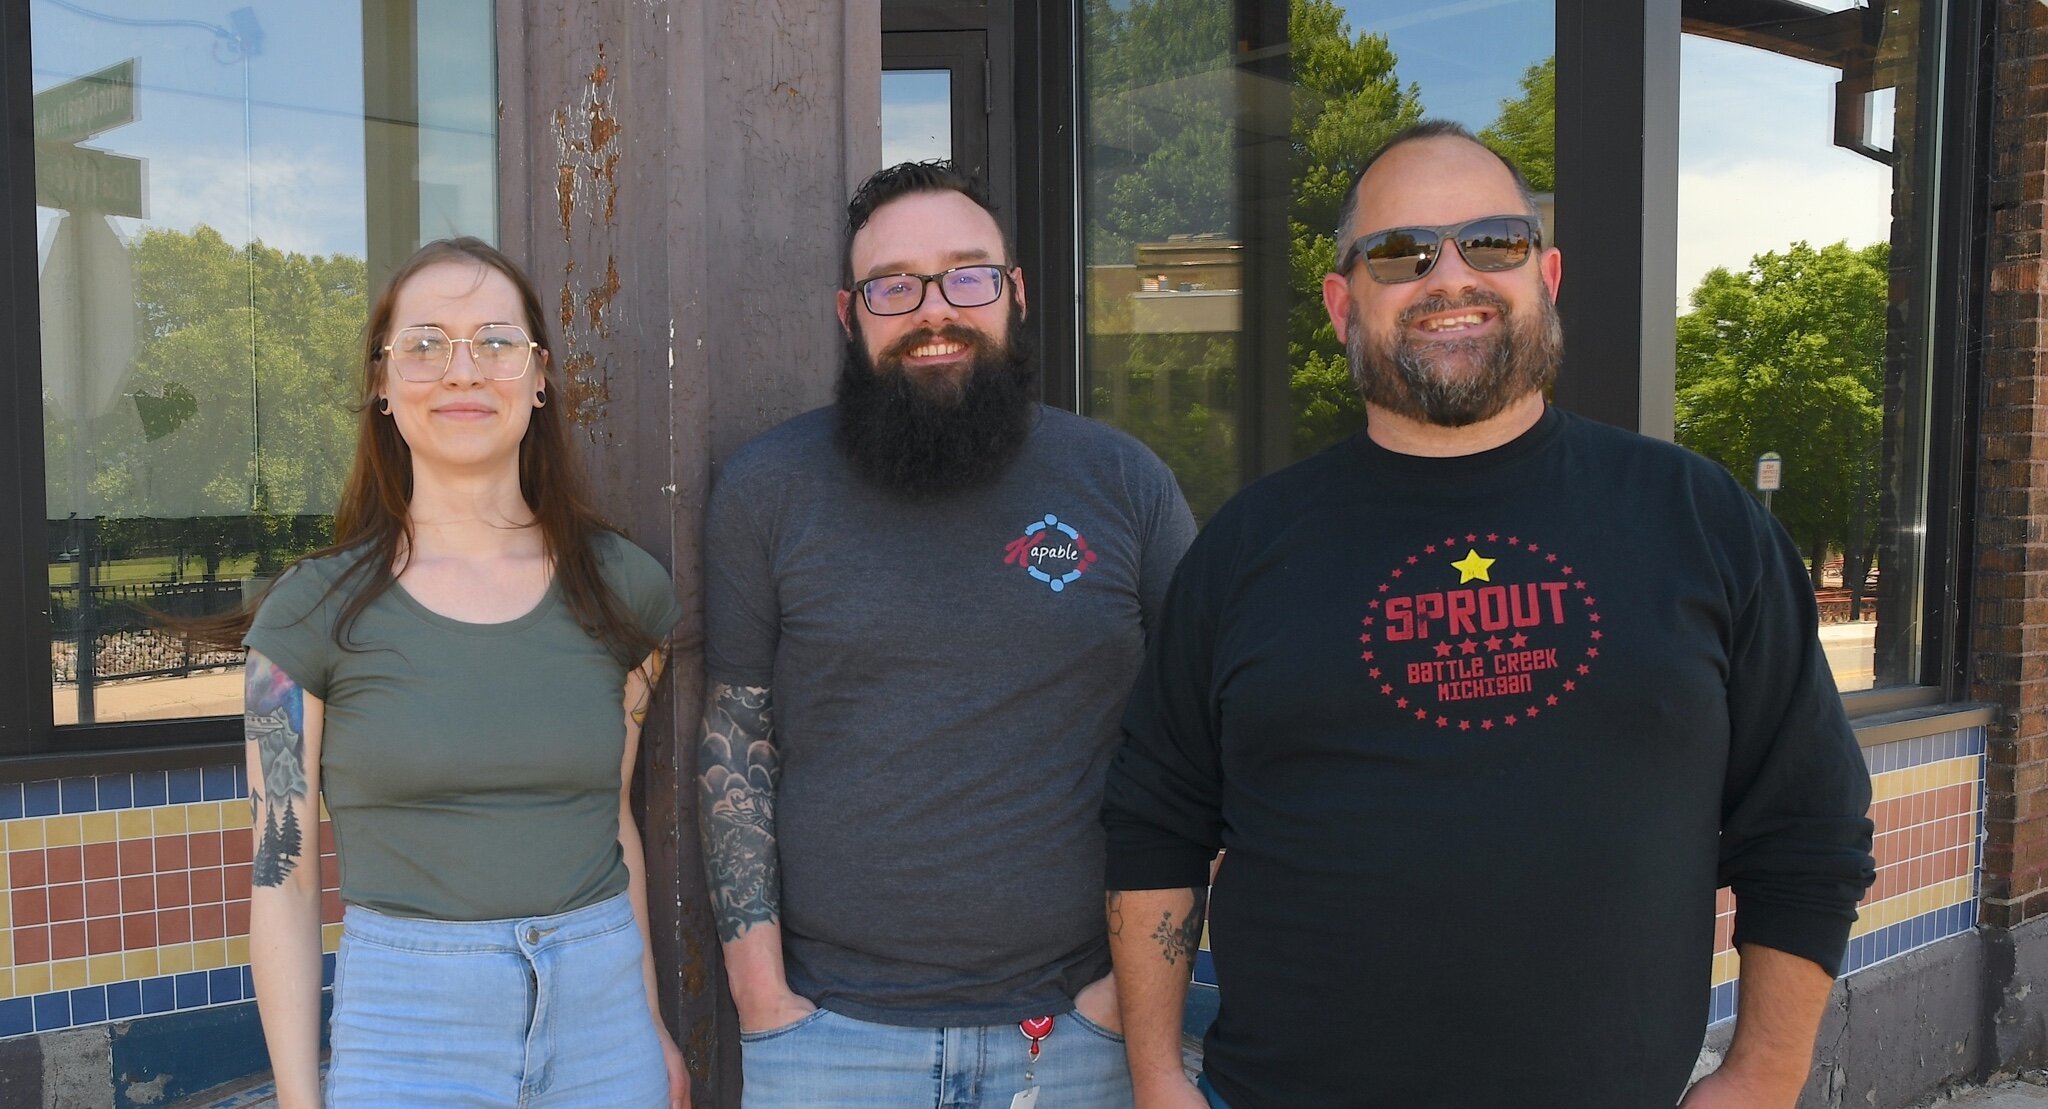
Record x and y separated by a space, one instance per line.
1512 541
1493 643
1411 560
1519 640
1386 689
1402 703
1583 671
1592 652
1552 699
1471 538
1530 712
1533 548
1366 656
1469 647
1596 634
1450 540
1509 720
1431 549
1395 574
1486 725
1593 616
1567 571
1421 714
1578 585
1365 637
1443 650
1569 686
1550 558
1367 621
1587 600
1464 725
1383 588
1373 673
1493 537
1443 722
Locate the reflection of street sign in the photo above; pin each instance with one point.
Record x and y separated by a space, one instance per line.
1770 472
89 318
84 107
77 179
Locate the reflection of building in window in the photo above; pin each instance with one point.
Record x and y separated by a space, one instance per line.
1187 284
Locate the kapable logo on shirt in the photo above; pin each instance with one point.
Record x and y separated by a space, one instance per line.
1051 551
1481 631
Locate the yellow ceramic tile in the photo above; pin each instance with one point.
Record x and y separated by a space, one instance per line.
330 938
209 954
171 820
174 958
133 823
6 983
67 975
6 911
62 831
102 969
100 827
140 964
203 816
23 835
234 815
30 981
6 949
324 814
1912 903
1727 967
238 950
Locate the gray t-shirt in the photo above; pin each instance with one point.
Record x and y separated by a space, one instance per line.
948 676
472 770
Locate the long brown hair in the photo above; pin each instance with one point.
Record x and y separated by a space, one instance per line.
373 520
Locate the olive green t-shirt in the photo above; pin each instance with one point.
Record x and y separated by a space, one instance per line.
472 770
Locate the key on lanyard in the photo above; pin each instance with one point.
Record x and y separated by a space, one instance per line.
1035 1029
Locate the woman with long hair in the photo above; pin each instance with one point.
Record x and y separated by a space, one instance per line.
462 676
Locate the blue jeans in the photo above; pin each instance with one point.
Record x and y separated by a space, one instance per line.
547 1011
830 1061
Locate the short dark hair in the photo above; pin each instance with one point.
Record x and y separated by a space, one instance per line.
907 178
1416 132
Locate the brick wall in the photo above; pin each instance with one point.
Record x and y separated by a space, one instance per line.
2010 632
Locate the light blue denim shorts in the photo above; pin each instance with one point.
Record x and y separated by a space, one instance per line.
828 1060
548 1012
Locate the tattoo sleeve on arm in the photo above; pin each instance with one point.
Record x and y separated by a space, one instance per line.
274 722
739 769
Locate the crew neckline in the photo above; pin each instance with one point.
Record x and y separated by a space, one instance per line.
1500 459
547 603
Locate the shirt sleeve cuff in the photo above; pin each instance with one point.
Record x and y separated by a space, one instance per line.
1817 936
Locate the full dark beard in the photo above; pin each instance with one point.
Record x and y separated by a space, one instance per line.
1415 380
926 439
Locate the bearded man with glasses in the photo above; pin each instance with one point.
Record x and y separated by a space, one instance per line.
1484 704
925 605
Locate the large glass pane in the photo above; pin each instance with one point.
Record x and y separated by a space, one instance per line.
917 115
217 185
1806 206
1220 139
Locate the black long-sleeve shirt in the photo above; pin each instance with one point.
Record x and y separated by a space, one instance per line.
1482 736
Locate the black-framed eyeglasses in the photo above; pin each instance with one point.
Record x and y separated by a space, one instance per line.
894 294
501 351
1488 244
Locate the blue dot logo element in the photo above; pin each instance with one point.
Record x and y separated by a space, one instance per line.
1051 551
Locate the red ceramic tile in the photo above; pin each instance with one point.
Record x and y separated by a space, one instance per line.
102 935
65 864
102 898
171 853
138 894
327 837
173 890
67 941
205 849
102 860
31 906
236 847
209 922
25 869
238 918
330 907
330 873
31 945
207 885
67 902
138 931
137 856
173 925
237 882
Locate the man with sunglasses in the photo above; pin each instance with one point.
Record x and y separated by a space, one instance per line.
1484 704
925 606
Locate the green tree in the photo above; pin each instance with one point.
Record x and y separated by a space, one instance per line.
1526 130
1788 356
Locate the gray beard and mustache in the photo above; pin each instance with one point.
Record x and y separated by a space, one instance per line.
929 437
1456 383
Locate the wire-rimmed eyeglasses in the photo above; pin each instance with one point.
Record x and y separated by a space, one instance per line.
501 351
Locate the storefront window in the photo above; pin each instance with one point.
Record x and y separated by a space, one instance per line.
1806 206
1220 139
218 187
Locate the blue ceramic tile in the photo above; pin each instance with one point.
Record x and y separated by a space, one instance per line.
184 786
217 783
117 791
327 970
89 1005
80 794
224 985
124 999
10 800
150 788
17 1016
248 983
159 995
191 989
241 780
40 798
53 1011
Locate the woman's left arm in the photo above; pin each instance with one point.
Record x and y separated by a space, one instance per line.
639 697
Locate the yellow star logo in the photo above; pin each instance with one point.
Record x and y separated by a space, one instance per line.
1472 566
